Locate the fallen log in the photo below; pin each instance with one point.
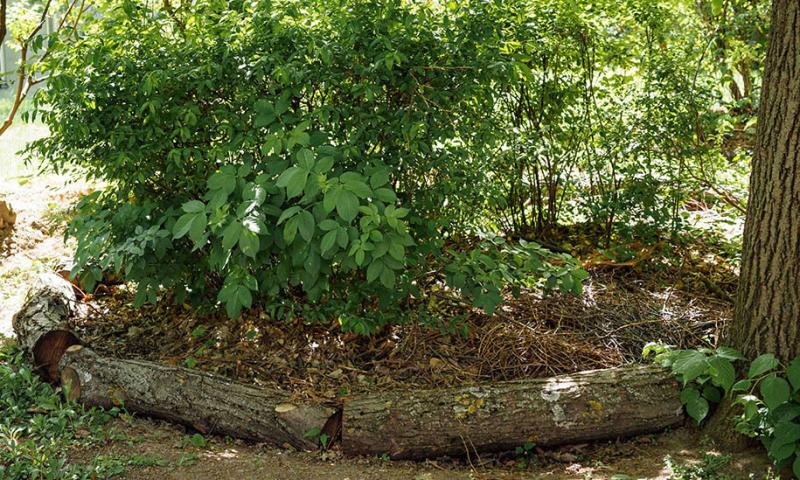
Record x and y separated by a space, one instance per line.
586 406
208 403
41 324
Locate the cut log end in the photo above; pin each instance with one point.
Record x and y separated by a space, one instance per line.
48 350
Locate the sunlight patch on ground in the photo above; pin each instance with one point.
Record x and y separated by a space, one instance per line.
41 202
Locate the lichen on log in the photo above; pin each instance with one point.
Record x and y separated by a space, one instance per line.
586 406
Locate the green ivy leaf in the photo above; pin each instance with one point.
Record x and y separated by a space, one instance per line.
379 179
722 372
223 180
697 409
786 433
397 251
293 179
290 230
774 391
742 386
781 451
729 353
305 159
762 364
793 373
690 364
198 228
331 198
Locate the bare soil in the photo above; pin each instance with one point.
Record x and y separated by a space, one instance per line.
643 457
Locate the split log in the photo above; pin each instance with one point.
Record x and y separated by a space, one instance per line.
41 324
586 406
208 403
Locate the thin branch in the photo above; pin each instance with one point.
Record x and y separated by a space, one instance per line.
3 26
24 83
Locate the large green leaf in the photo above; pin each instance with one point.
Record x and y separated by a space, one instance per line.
774 391
793 373
690 364
762 364
347 206
722 372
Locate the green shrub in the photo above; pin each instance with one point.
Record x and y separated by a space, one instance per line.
768 394
265 149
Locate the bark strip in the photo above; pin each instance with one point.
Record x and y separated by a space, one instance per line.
586 406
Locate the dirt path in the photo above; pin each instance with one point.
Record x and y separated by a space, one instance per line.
158 450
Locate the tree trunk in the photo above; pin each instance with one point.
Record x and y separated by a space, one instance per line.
767 313
205 402
41 323
593 405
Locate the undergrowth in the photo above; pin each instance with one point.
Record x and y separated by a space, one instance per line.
38 429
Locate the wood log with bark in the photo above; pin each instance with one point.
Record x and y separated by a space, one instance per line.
586 406
409 424
206 402
41 325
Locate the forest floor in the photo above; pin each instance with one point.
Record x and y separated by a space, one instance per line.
621 309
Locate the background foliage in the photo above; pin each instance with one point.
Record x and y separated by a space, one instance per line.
355 153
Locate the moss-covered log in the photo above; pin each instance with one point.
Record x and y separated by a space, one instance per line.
208 403
586 406
41 324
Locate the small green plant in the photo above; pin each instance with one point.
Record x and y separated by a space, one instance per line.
769 394
195 440
707 469
526 454
322 438
706 374
37 427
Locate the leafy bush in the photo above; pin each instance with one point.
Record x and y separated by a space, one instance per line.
265 148
769 394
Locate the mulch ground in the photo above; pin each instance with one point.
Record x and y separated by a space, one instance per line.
531 336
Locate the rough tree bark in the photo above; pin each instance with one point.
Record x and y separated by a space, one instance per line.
41 324
767 313
593 405
208 403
